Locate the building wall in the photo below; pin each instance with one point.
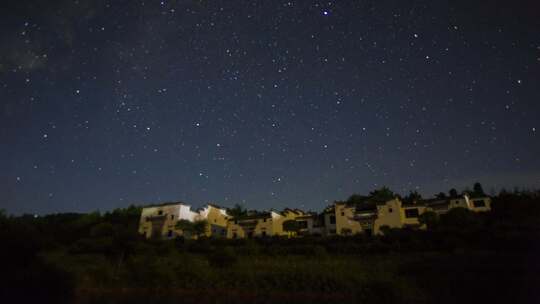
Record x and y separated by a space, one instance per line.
412 221
217 219
170 214
329 227
258 227
345 220
476 204
389 214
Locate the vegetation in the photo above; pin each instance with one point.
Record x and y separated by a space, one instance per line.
291 227
100 258
197 228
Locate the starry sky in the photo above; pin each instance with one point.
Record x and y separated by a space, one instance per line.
265 103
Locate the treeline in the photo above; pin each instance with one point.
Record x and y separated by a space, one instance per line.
464 255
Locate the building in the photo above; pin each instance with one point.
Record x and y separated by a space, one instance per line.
217 219
310 224
364 216
369 217
476 204
329 221
256 224
159 221
264 224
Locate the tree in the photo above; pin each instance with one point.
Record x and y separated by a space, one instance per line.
237 211
199 227
453 192
412 197
478 190
459 218
382 194
429 218
441 195
291 227
356 199
186 226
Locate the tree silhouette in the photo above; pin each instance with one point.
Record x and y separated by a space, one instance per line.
382 194
412 197
478 190
237 210
441 195
200 227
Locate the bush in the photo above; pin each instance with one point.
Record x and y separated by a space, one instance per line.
223 258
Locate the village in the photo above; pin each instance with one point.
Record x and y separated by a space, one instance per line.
359 215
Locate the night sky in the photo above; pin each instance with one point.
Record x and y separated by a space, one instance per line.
264 103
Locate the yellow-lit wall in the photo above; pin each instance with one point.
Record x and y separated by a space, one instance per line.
261 225
345 219
214 216
389 214
413 221
170 214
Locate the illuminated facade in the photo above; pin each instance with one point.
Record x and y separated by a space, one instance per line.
366 217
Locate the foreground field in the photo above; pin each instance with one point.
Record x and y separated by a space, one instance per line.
94 258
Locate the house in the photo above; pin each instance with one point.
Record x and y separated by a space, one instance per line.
410 214
329 221
159 221
255 224
475 204
270 223
369 217
217 219
310 224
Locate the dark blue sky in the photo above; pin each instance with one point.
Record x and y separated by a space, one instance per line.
264 103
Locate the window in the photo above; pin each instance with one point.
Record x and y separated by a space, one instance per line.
160 212
264 220
389 210
332 219
479 203
302 224
411 213
169 233
172 216
263 233
342 213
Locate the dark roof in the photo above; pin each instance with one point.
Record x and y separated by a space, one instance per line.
414 203
307 216
166 204
257 215
297 211
216 206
